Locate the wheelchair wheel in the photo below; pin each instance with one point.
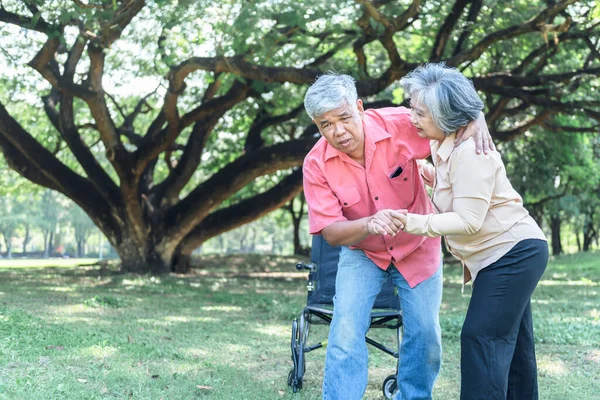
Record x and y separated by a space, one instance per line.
294 383
390 386
303 329
297 346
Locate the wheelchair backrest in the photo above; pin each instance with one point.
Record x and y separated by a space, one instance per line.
326 257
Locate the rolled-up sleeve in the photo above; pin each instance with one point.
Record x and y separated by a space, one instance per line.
472 178
323 206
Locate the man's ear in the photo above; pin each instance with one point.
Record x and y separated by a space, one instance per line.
318 127
360 106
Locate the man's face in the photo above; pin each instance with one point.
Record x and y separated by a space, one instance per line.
343 129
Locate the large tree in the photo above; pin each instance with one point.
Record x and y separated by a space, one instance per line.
162 169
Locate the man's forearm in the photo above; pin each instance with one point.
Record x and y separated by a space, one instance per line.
346 233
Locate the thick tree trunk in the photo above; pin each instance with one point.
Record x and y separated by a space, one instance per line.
252 241
297 246
221 241
8 244
589 234
537 214
80 248
182 263
51 242
26 239
134 261
47 243
555 229
142 255
296 220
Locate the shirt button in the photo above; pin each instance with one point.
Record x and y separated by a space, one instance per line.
376 198
345 203
392 248
405 179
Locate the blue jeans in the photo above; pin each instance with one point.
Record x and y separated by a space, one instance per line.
358 282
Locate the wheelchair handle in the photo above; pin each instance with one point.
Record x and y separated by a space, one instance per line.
311 267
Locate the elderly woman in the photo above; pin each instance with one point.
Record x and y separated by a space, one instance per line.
488 229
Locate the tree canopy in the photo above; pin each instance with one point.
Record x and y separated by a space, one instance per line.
169 123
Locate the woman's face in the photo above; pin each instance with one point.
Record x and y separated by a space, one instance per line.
420 117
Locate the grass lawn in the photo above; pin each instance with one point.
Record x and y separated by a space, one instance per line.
81 332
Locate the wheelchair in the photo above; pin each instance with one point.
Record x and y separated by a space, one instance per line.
322 271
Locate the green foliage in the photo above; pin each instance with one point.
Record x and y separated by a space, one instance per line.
307 36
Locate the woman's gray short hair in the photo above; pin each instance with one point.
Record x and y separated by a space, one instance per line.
447 94
330 91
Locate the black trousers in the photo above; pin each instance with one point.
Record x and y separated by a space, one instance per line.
497 350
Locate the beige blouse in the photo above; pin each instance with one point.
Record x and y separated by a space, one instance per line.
480 213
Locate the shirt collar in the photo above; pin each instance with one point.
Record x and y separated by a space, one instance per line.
373 134
443 150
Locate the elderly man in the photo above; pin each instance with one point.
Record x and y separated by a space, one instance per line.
356 176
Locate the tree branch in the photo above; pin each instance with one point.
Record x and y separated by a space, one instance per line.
572 129
115 152
245 211
183 217
263 121
42 62
549 198
35 162
105 186
74 57
238 66
104 6
111 31
592 47
372 12
468 28
536 23
504 136
533 80
34 22
446 29
209 112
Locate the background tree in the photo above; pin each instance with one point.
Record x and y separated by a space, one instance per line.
9 222
48 214
553 173
297 211
164 169
15 200
83 227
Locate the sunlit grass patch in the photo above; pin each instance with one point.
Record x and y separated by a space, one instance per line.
104 301
98 351
552 366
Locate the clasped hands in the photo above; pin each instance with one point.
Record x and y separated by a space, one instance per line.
387 222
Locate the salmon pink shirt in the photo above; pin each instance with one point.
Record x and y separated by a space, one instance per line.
338 188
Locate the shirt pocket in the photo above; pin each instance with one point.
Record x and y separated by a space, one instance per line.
403 183
348 197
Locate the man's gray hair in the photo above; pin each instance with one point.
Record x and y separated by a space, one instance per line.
447 94
329 92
